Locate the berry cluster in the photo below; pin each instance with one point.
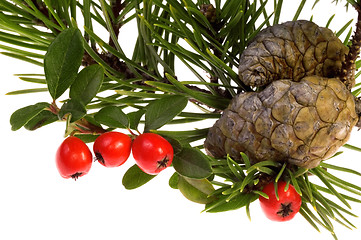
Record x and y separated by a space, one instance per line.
151 152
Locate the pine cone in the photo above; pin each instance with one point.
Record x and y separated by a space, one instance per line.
291 50
304 113
300 122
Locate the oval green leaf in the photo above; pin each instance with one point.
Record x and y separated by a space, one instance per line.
43 118
196 190
176 145
134 177
173 181
87 84
87 138
134 118
192 163
62 61
73 107
23 115
113 117
162 111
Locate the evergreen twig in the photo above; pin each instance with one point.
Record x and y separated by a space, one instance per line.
201 35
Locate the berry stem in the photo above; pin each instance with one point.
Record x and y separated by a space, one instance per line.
88 127
132 133
53 108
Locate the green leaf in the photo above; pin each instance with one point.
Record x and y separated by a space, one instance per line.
311 215
235 168
348 170
349 146
326 190
62 61
87 84
73 107
278 8
246 160
26 91
33 80
23 115
275 185
248 212
221 205
321 199
173 180
261 194
87 138
43 118
299 9
184 136
208 99
248 179
162 111
196 190
339 32
23 58
134 177
260 165
112 116
308 219
134 118
280 172
176 145
340 181
192 163
294 182
329 186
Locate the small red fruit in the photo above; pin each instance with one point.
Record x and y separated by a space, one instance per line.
112 149
152 153
286 207
73 158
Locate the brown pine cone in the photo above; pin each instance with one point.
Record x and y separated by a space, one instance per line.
291 50
304 112
300 122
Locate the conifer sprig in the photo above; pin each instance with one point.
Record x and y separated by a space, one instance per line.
124 91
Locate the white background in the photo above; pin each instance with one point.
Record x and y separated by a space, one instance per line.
36 203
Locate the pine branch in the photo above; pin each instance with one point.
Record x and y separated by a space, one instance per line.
116 7
209 12
348 66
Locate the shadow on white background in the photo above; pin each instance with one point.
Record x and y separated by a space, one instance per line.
36 203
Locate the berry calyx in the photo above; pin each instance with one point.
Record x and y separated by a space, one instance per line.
285 210
162 163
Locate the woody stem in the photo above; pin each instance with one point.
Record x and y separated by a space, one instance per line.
348 66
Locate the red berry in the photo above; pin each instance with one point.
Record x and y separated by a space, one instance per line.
112 149
73 158
152 153
286 207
